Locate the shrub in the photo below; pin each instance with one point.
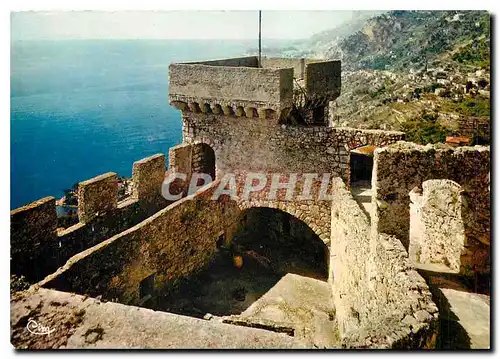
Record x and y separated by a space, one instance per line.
425 129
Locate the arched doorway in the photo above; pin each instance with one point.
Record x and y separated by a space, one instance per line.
203 159
266 245
268 237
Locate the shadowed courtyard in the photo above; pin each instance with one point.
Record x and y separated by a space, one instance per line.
269 244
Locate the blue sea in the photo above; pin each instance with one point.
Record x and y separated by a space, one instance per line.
85 107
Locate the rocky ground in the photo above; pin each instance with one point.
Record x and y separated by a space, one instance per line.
391 100
59 320
464 309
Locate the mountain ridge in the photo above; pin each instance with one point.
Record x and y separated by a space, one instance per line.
424 72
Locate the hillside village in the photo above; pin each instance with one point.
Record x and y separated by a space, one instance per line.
426 73
380 99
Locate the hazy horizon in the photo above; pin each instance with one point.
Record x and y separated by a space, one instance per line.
174 25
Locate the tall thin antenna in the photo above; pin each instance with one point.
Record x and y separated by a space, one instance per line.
260 38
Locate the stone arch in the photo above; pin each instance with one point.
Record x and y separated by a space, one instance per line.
319 222
216 148
216 109
437 233
194 107
283 240
205 108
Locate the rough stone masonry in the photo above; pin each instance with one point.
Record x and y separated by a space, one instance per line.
235 120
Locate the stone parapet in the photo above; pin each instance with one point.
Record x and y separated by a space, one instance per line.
38 246
97 195
238 87
32 227
148 175
233 91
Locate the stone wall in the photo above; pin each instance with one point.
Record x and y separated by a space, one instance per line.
231 86
398 169
253 145
179 158
39 248
148 175
380 301
437 233
250 61
298 65
31 228
178 240
322 79
476 128
172 243
97 196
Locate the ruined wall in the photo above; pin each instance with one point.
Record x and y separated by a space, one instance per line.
38 248
172 243
380 301
437 234
255 145
398 169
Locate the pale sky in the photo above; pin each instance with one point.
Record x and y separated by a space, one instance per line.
277 24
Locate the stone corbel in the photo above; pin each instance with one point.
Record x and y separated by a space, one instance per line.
180 105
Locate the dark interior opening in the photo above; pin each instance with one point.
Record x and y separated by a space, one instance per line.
361 167
147 286
204 159
283 242
319 115
268 244
220 241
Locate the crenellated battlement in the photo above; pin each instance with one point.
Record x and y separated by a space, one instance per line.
97 195
34 232
238 87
